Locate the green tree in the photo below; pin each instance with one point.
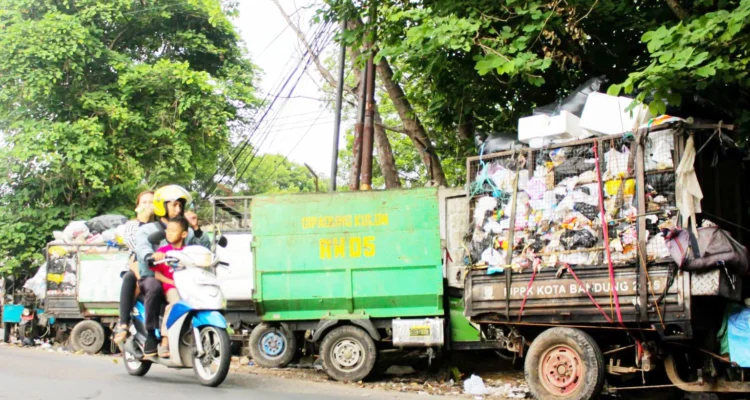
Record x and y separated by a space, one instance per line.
469 66
99 99
274 173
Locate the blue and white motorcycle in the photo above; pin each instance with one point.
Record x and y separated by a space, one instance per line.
197 329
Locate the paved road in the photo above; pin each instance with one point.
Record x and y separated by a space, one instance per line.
32 374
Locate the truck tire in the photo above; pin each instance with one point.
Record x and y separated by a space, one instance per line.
88 336
348 353
272 346
564 364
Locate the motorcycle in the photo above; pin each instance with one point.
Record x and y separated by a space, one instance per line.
197 329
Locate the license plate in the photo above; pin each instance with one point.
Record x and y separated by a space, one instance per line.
419 331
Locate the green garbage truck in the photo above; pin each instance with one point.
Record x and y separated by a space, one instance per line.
358 272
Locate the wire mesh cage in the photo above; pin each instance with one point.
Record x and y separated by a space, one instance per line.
558 194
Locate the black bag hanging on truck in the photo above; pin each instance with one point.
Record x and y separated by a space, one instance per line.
575 101
105 222
716 248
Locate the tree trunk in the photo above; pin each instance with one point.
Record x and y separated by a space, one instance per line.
386 161
382 144
677 9
466 128
385 154
413 126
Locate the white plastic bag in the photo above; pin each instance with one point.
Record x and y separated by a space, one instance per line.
475 386
617 163
38 284
484 205
492 257
75 230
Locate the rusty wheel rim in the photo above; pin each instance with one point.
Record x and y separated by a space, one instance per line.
561 370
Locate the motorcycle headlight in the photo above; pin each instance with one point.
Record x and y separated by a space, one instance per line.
26 312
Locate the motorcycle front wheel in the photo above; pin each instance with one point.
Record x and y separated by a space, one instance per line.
213 367
133 365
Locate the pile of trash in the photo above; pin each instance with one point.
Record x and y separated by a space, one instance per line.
58 276
562 192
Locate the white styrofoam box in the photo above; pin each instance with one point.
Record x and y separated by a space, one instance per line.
562 126
608 115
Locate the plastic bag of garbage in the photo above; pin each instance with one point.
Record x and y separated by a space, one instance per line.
104 222
75 230
575 101
109 235
38 284
496 142
739 336
484 206
577 239
492 257
475 386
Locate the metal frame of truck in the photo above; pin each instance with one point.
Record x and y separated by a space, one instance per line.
86 323
241 315
567 341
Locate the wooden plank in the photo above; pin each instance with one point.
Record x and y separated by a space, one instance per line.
641 193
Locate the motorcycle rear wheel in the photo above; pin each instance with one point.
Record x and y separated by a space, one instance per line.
213 367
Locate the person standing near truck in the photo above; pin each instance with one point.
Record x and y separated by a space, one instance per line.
129 291
169 202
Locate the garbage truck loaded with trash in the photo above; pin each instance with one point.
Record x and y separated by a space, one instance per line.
598 280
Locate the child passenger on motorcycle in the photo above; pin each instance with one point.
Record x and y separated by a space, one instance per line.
177 232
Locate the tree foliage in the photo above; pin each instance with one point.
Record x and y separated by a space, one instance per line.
274 173
101 98
470 66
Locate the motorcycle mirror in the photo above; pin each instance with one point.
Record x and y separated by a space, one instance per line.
156 237
222 241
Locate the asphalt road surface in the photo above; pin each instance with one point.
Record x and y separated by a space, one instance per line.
31 374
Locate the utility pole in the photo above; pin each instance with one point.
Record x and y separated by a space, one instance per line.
369 125
337 122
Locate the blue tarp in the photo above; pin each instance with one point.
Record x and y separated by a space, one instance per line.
739 337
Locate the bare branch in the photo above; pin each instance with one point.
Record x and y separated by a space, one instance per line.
324 72
392 129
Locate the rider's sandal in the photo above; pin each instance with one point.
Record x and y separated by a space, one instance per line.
121 334
163 351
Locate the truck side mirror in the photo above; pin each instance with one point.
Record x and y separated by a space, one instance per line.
222 241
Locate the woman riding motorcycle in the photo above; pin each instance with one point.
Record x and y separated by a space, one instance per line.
169 202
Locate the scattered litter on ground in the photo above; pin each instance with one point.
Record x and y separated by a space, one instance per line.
400 370
475 386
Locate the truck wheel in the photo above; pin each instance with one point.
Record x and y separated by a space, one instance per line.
272 346
88 336
564 364
348 354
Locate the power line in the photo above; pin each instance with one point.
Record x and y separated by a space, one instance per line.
234 159
316 47
286 157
